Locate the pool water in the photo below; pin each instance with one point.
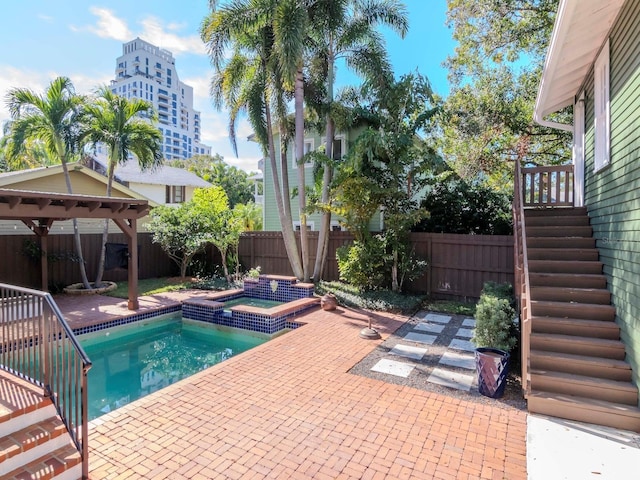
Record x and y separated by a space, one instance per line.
135 360
252 302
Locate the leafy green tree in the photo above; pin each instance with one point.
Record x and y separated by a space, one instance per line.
215 170
223 229
464 207
250 215
180 231
33 155
395 158
52 119
241 41
345 30
119 123
495 71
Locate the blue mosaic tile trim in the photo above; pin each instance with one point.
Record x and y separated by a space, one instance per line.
285 292
126 320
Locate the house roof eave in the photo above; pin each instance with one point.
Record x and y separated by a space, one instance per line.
579 32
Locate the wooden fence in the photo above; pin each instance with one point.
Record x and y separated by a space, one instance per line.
458 264
20 264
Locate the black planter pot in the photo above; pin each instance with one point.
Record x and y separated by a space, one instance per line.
492 366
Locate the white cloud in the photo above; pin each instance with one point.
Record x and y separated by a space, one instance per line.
107 26
154 30
45 18
38 81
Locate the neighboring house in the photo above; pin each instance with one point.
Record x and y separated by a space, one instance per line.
163 185
312 142
593 66
84 181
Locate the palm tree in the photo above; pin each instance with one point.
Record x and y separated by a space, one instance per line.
250 82
291 28
53 119
119 123
346 29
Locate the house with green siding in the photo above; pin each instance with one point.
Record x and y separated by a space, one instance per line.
592 67
312 142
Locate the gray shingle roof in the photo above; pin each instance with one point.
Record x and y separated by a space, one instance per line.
163 175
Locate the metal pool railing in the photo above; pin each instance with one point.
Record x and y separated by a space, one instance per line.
37 344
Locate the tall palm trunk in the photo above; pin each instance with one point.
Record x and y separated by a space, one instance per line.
325 221
113 161
76 233
288 236
302 196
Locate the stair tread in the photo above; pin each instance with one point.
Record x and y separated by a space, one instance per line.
576 338
20 396
575 378
31 436
581 321
555 303
571 289
586 359
620 408
50 465
555 211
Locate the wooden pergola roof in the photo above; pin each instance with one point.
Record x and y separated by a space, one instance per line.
38 211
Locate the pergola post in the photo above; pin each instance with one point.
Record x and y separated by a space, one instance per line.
133 303
129 228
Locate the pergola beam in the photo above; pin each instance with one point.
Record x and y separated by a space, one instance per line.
38 211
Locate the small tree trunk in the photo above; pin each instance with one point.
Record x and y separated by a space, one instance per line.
302 195
76 233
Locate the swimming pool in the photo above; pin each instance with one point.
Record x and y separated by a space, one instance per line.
132 361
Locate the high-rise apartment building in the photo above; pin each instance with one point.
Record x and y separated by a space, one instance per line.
149 72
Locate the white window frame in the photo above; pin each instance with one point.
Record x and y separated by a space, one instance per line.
602 110
335 223
578 151
343 140
310 226
312 146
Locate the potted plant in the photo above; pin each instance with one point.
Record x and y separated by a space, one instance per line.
494 337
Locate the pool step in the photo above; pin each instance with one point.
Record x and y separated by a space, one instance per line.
34 442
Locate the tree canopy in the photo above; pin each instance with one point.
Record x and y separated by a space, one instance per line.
235 182
495 70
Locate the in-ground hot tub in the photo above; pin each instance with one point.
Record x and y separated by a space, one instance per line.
289 298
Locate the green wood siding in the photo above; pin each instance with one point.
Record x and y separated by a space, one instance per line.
612 195
270 209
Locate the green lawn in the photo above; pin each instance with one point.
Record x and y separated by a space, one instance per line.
150 286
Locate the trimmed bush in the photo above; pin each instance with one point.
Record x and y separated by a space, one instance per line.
494 318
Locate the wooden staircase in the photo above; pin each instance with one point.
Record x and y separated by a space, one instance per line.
577 367
34 443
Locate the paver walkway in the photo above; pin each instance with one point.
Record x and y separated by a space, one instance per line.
290 409
452 366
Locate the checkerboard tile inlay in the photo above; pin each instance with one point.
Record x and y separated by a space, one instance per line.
408 351
465 345
430 327
451 379
465 332
458 359
420 338
391 367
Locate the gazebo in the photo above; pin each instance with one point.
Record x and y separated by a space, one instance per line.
38 211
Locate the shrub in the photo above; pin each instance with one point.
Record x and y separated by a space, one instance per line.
494 318
363 263
456 206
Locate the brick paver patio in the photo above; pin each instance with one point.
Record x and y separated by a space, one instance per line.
290 409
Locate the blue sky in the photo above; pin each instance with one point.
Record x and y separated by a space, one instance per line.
81 40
